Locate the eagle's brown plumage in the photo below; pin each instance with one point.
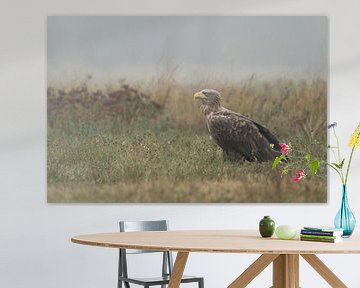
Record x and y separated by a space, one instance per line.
239 137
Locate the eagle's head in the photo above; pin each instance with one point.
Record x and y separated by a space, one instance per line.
210 100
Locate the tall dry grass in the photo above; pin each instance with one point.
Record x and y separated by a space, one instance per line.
148 142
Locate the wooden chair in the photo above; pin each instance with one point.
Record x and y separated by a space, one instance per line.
167 262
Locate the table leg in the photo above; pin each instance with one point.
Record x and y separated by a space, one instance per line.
178 270
253 270
286 271
324 271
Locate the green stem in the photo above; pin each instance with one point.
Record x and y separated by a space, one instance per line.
333 152
351 155
348 167
340 159
337 171
338 146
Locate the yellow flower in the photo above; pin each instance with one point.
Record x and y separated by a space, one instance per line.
355 138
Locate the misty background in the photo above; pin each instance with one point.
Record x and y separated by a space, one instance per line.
139 47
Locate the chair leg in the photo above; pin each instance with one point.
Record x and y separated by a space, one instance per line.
201 283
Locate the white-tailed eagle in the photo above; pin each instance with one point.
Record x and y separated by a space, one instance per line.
239 137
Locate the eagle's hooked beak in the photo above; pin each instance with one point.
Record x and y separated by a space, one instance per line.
199 95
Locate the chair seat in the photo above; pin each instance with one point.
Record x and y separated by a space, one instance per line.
158 280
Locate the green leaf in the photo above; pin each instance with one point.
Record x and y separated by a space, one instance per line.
276 161
332 166
342 163
336 165
308 158
314 166
271 146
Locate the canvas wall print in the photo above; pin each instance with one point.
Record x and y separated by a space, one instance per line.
187 109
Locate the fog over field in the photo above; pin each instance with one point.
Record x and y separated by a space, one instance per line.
123 125
114 47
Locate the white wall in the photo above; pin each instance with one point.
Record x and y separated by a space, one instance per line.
35 248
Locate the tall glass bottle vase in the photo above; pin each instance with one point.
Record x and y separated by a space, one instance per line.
345 218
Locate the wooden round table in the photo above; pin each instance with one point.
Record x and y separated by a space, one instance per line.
284 254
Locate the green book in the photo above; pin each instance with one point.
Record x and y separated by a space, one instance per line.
325 240
319 236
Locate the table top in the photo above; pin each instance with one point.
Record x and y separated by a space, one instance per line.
217 241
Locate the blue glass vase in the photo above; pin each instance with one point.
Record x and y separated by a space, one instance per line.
345 219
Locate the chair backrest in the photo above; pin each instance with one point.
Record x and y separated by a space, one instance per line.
134 226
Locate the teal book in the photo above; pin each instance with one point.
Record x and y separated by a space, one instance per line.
323 228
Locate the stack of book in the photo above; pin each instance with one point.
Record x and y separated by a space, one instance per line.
321 234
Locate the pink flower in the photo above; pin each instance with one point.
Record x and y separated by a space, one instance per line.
300 174
284 148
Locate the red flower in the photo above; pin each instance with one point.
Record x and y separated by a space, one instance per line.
300 174
284 148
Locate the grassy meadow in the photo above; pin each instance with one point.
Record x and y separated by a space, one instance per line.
148 143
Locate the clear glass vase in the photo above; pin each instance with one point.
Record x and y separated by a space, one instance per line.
345 219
